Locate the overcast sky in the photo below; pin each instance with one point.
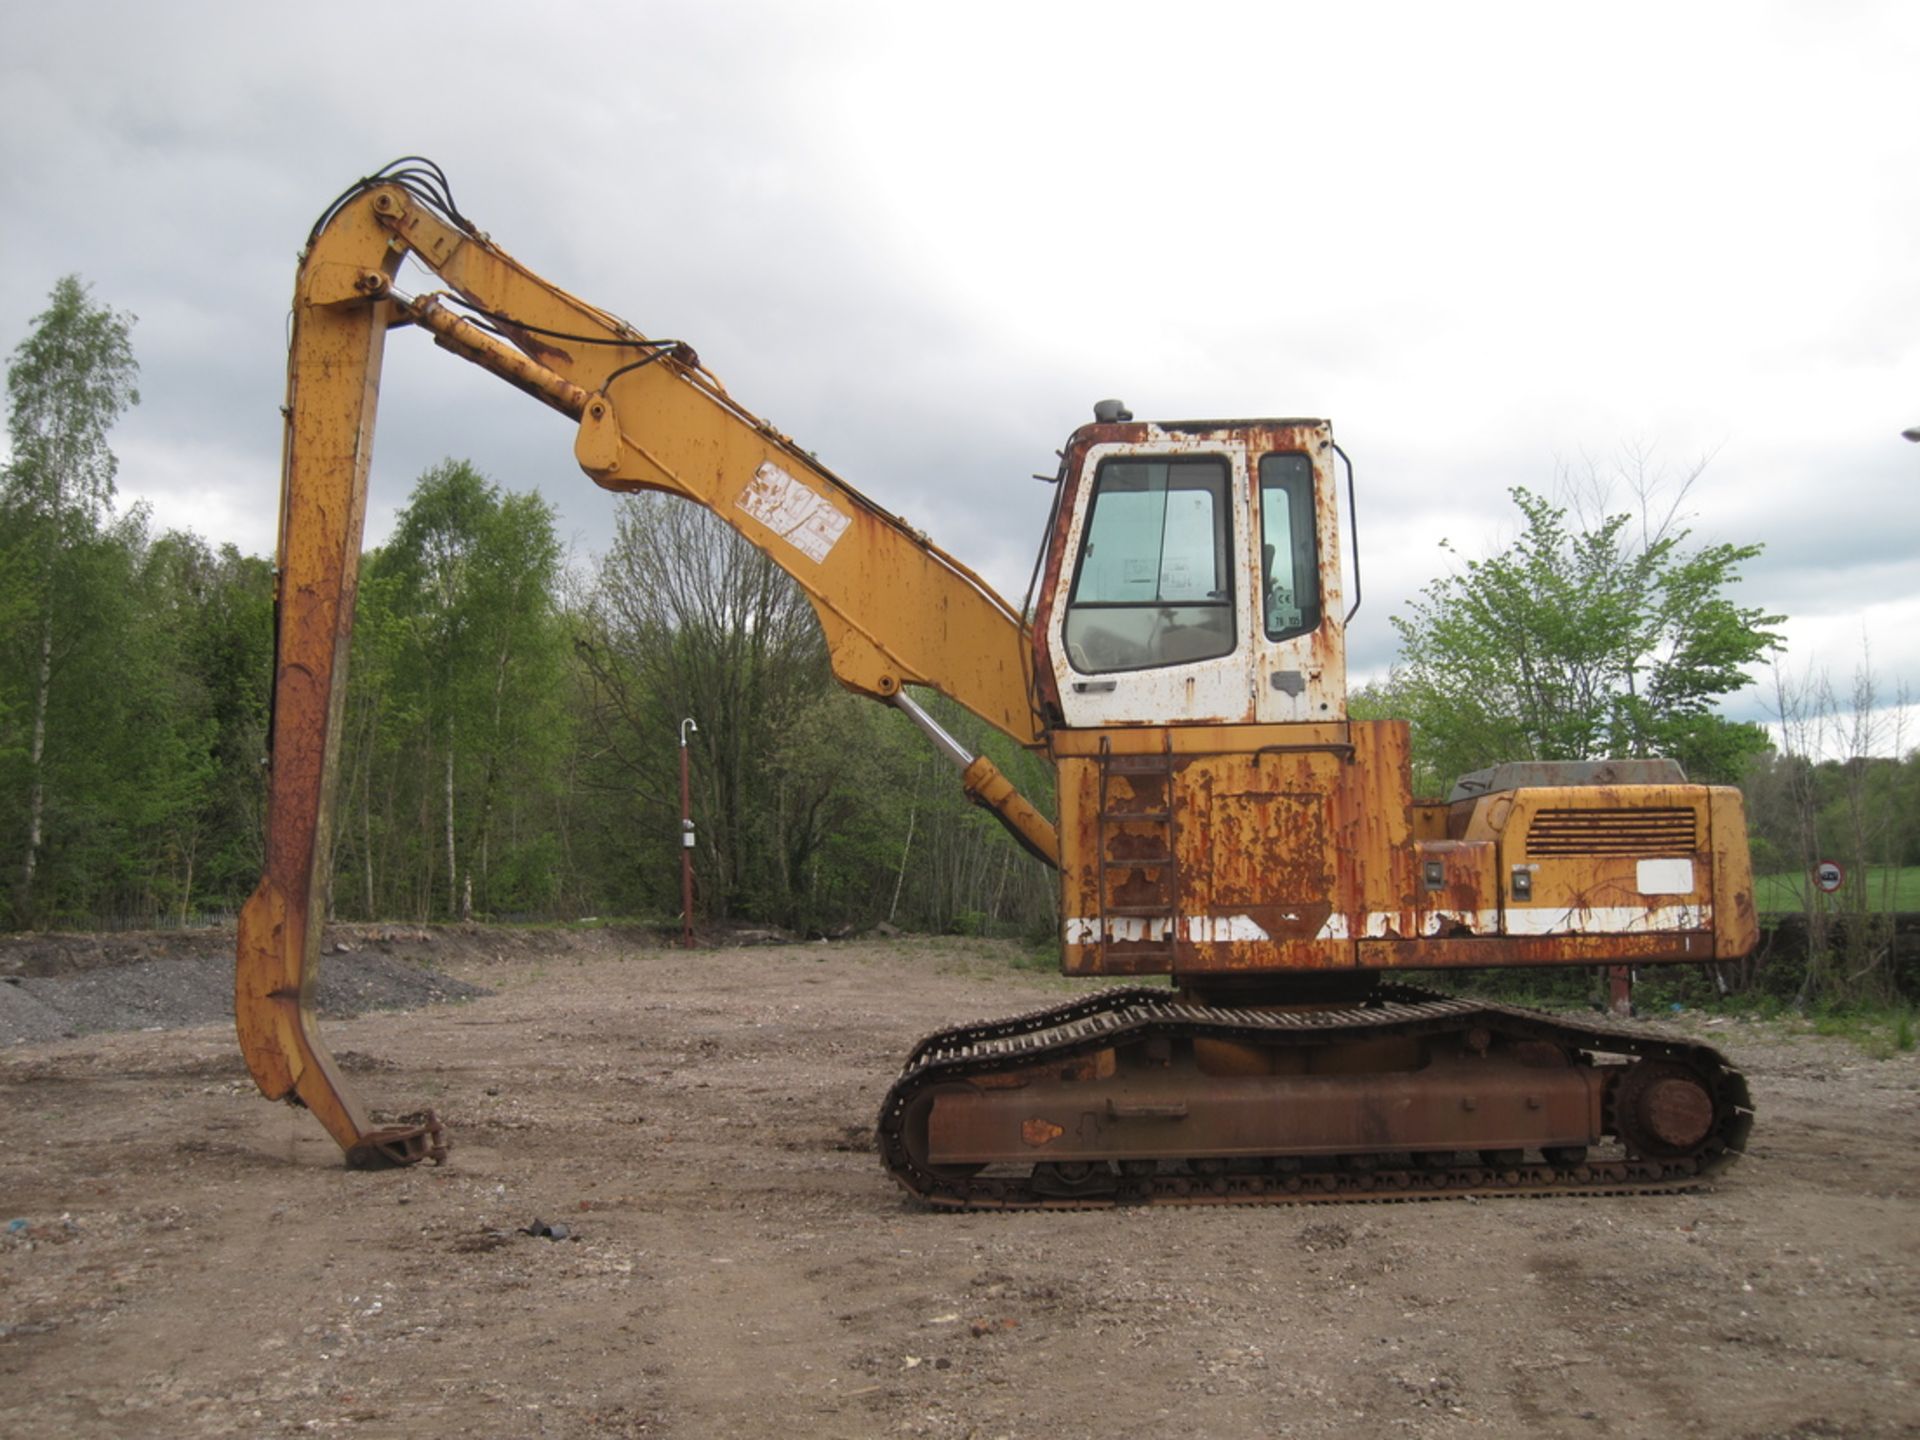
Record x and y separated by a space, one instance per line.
1491 243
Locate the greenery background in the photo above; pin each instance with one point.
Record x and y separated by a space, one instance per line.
510 741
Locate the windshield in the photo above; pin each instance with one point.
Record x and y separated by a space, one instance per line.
1154 581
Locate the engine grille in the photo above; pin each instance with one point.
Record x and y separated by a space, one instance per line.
1612 832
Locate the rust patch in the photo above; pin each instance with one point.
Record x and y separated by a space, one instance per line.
1040 1132
1097 1066
539 347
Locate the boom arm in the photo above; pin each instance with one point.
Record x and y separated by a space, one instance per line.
896 609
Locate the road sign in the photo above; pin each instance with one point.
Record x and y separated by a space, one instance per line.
1829 876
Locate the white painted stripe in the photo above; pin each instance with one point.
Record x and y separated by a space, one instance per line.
1380 924
1202 929
1481 922
1609 920
1224 929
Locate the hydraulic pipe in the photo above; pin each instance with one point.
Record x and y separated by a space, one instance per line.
986 786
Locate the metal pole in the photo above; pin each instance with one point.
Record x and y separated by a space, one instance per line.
686 840
1620 990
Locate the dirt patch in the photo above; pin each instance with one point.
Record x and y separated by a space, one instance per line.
55 985
196 1261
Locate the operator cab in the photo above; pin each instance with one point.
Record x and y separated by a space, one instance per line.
1193 575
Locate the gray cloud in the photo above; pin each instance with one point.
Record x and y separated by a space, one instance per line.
923 244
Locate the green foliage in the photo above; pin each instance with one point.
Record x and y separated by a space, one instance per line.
1579 643
501 753
1835 792
154 726
68 382
688 621
456 733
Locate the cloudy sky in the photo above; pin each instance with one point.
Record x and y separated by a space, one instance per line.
1493 244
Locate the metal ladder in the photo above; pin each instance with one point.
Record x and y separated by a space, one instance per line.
1164 823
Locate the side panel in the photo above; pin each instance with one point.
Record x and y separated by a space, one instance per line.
1736 928
1275 849
1214 849
1603 859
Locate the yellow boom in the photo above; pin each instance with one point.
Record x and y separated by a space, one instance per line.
896 609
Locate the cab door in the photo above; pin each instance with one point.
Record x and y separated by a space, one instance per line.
1152 622
1299 642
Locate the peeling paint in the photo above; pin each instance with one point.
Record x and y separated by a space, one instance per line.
806 521
1266 850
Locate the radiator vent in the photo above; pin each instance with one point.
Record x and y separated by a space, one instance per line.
1612 832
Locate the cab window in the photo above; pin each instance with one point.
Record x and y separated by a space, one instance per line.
1154 581
1289 549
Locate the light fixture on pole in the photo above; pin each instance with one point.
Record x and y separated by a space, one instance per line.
686 839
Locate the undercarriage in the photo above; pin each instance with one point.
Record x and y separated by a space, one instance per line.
1146 1095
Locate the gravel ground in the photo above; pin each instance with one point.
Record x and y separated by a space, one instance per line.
63 986
194 1261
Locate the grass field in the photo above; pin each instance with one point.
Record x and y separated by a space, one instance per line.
1888 888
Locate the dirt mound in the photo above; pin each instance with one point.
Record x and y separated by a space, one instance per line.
58 985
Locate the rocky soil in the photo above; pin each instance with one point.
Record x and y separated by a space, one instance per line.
63 986
179 1257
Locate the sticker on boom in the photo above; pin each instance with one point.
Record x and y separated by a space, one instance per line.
806 521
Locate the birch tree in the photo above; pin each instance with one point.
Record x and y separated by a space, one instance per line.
454 706
68 382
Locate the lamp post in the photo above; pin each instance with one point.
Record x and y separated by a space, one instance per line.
686 840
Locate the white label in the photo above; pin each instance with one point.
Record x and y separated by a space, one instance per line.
1666 877
806 521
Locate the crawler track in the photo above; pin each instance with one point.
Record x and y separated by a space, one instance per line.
1129 1016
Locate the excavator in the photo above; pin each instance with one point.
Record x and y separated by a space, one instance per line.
1234 846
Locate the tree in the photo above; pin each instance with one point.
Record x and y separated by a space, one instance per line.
1581 640
815 808
202 631
132 720
688 619
1841 789
455 726
69 381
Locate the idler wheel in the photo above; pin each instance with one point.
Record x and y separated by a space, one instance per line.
1662 1109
